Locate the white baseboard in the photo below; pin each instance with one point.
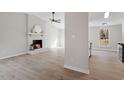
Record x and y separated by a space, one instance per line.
100 49
37 51
14 55
77 69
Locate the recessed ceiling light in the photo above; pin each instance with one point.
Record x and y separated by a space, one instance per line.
106 15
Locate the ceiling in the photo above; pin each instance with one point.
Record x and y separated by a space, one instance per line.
46 15
97 18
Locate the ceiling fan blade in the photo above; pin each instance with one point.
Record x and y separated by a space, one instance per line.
57 21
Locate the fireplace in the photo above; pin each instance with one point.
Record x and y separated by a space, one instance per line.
37 44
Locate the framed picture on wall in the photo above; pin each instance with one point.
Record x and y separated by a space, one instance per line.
104 37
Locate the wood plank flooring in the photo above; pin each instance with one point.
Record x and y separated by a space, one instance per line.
49 66
105 65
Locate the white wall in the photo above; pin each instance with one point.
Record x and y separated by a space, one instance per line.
12 34
52 35
76 41
123 32
61 38
115 35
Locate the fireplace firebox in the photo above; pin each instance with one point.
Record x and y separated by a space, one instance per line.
37 44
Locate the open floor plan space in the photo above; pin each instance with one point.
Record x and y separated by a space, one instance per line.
49 66
61 46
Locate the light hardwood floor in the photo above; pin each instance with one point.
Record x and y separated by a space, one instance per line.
49 66
106 65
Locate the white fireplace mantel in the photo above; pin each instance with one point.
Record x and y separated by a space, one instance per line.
35 36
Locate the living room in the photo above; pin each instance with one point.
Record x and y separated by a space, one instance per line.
37 40
83 52
51 45
28 34
17 33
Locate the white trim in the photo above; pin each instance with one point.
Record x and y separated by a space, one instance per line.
14 55
77 69
100 49
37 51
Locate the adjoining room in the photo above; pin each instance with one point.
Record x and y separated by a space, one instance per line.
106 38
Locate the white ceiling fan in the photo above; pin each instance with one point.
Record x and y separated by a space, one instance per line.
53 20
